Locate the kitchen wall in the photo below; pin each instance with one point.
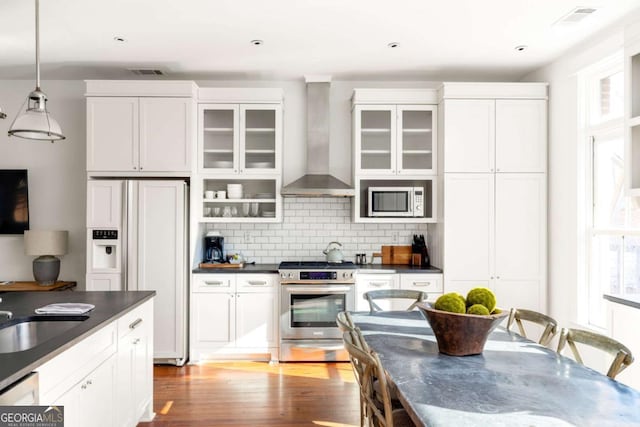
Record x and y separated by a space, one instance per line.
308 227
56 176
567 191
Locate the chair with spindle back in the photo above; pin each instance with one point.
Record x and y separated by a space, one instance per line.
376 407
550 325
622 356
386 294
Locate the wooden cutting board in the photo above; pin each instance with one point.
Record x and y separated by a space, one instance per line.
396 254
208 265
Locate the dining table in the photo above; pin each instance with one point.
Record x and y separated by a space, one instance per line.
513 382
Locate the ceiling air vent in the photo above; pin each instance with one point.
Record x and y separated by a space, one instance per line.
576 16
147 72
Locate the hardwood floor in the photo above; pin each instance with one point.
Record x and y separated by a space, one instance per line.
255 394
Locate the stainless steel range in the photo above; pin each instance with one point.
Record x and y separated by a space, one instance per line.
311 296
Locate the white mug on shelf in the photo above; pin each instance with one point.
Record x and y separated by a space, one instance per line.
209 194
221 194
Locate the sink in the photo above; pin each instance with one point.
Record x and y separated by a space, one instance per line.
23 334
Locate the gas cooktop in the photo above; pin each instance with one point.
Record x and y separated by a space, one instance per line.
301 265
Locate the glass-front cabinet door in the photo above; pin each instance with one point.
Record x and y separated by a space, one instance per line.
219 139
260 137
375 128
416 139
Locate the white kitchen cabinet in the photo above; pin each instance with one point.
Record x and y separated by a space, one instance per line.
432 284
111 368
138 134
394 139
91 401
134 385
495 236
234 314
488 135
376 281
240 138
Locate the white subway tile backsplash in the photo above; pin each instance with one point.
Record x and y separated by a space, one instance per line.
308 226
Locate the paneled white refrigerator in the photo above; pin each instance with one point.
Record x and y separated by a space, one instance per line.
137 240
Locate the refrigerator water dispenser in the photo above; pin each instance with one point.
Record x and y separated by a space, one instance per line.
105 250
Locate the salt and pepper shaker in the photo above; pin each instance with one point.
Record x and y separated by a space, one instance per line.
361 259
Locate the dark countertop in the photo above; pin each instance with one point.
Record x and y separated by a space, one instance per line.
366 268
514 382
628 300
248 268
396 268
109 306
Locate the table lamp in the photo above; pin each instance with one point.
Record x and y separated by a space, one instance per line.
46 245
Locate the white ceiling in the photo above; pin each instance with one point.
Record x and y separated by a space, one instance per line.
347 39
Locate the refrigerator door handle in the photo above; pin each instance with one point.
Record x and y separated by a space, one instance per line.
128 230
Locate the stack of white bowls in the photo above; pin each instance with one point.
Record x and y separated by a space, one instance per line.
234 191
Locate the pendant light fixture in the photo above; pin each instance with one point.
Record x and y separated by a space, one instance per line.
36 123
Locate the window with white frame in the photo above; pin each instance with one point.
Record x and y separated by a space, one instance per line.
613 220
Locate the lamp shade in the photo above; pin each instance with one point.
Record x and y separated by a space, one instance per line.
36 124
44 242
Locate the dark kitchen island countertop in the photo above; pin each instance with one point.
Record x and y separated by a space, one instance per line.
628 300
366 268
109 307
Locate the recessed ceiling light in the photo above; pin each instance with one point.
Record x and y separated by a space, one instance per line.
257 42
120 39
393 45
521 48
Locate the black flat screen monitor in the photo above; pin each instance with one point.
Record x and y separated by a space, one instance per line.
14 201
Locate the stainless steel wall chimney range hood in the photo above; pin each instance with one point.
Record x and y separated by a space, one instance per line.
318 181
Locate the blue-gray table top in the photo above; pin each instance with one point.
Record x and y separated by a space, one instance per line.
514 382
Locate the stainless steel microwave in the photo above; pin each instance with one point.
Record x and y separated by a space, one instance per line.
396 201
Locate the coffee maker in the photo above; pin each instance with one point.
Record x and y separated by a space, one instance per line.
213 247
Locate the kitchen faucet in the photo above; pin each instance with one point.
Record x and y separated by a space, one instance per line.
8 314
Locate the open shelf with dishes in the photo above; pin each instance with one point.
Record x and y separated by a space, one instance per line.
239 200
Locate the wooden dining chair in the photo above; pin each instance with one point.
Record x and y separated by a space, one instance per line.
386 294
374 413
550 325
622 356
344 321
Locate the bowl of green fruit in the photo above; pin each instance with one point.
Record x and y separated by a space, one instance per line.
461 325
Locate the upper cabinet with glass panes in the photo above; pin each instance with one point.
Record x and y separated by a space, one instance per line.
394 131
240 137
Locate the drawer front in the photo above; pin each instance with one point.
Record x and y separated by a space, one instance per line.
369 282
214 283
135 320
422 282
63 371
257 282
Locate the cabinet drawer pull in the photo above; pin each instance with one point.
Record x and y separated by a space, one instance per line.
421 283
136 341
379 283
257 282
135 324
216 283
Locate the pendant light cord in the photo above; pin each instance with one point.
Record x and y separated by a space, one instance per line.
37 44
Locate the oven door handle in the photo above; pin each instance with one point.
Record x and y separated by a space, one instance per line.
319 347
315 289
